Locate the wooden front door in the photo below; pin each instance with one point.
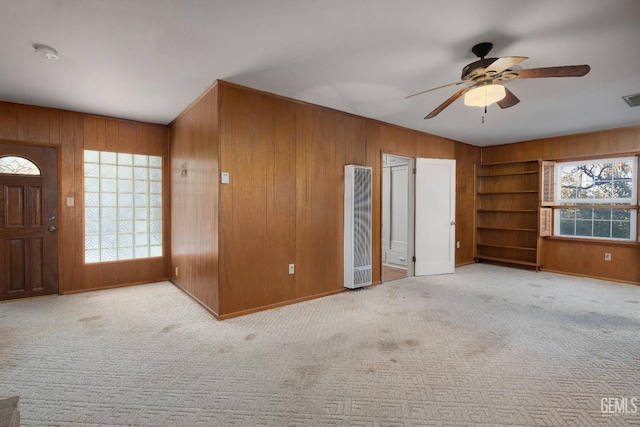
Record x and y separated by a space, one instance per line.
28 221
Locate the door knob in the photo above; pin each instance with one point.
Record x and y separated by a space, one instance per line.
52 228
52 218
453 223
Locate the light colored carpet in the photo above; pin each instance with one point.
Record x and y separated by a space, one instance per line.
485 346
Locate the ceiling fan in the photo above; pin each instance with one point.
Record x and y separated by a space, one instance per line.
485 78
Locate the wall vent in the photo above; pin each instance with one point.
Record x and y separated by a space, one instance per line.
632 100
357 226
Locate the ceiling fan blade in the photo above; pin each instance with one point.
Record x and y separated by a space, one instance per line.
501 64
509 100
435 88
563 71
446 103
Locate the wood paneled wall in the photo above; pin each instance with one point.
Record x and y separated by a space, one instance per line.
284 202
194 147
71 133
573 256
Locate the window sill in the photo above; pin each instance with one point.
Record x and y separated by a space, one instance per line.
602 242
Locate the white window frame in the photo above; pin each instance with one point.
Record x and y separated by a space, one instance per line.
611 201
598 203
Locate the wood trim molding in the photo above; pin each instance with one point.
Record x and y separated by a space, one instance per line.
119 285
279 304
608 279
603 242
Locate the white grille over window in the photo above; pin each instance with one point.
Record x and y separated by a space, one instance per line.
548 187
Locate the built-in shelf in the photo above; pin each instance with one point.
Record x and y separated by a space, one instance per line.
508 260
507 192
523 248
529 230
507 212
508 174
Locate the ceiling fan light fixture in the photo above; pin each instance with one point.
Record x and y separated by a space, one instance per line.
484 95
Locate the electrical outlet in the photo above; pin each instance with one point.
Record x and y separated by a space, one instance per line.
176 271
607 256
292 268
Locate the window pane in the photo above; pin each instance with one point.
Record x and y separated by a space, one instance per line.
604 181
110 214
108 241
108 254
107 157
142 187
602 214
155 187
91 227
91 156
18 166
125 172
125 199
141 200
584 213
125 240
125 253
125 227
125 186
155 174
91 242
602 229
108 185
91 185
621 214
567 228
583 228
92 199
125 159
108 227
141 173
92 256
91 170
620 229
140 160
608 182
125 214
118 190
92 214
155 162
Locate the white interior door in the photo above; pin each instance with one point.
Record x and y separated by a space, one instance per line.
435 203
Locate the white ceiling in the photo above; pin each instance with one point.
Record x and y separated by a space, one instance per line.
149 59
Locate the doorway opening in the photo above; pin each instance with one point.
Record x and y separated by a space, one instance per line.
397 217
418 216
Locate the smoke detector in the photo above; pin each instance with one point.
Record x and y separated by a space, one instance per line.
632 100
46 51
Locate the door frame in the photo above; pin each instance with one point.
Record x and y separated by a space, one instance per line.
57 197
411 165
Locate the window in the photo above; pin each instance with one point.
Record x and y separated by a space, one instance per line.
123 206
599 198
18 166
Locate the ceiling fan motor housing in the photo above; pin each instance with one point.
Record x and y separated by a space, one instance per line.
471 72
